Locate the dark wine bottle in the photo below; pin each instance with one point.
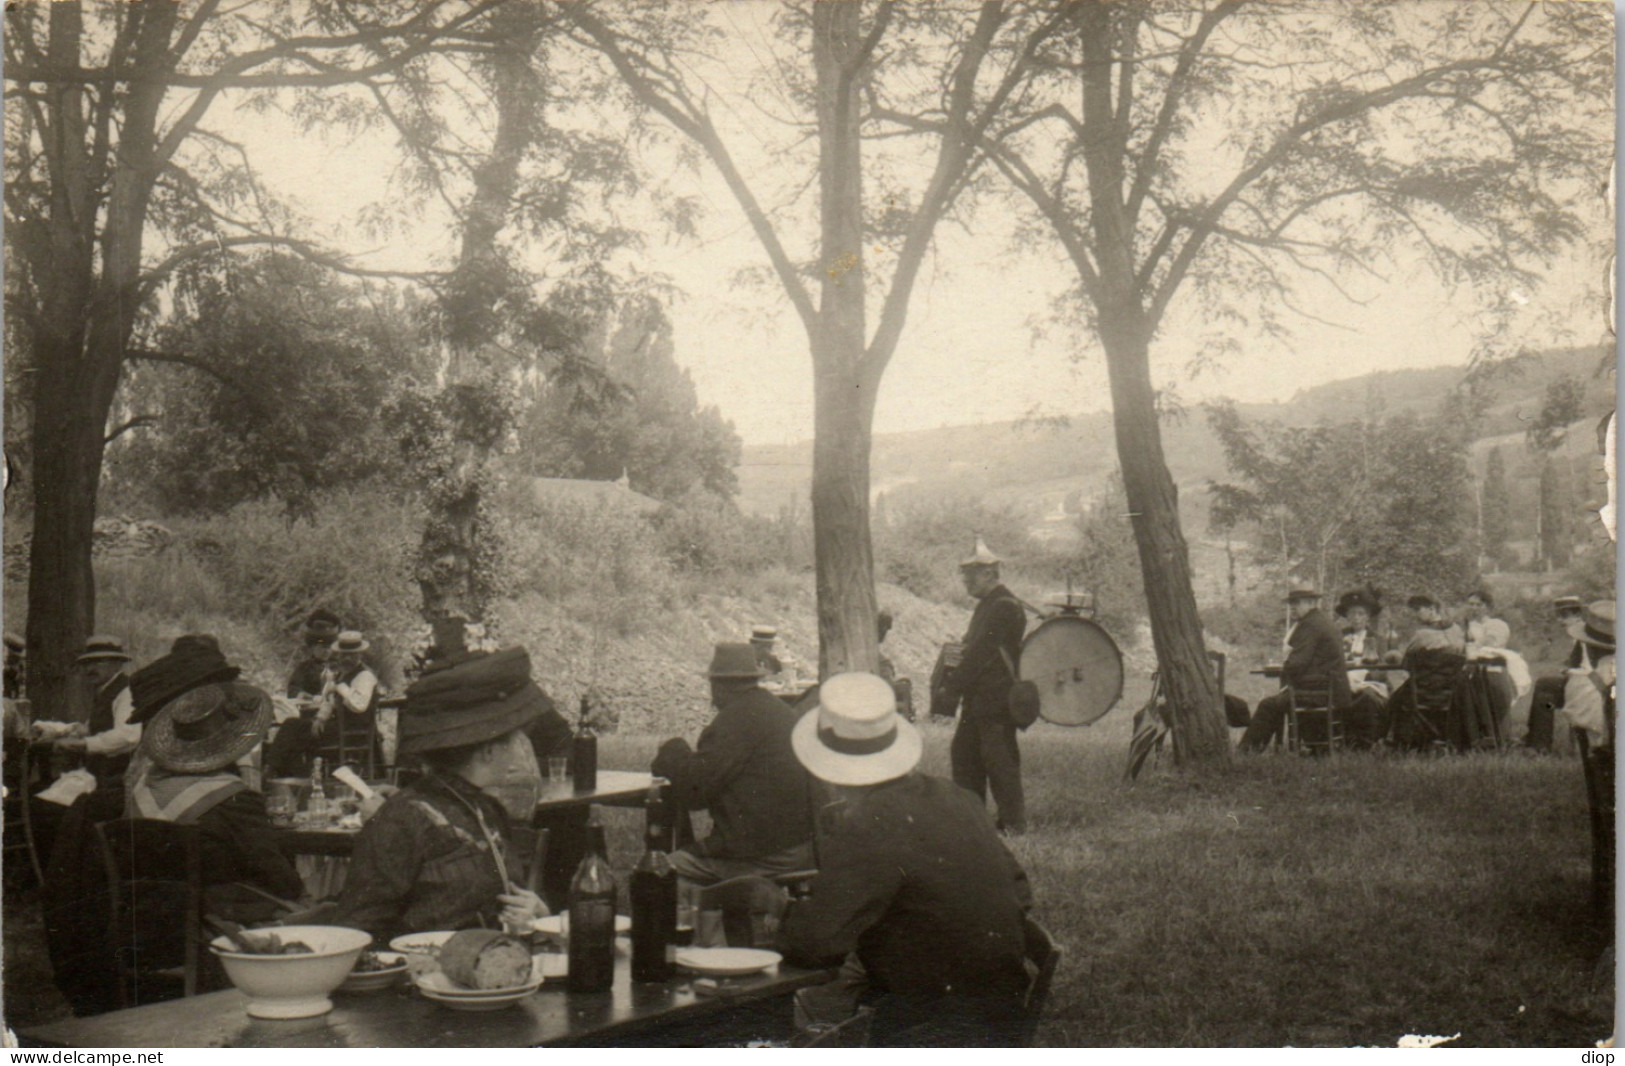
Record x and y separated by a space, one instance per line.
584 752
654 904
592 917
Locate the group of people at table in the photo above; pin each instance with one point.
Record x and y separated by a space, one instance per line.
915 899
1371 686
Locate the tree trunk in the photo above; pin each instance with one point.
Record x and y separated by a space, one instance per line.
1195 705
844 395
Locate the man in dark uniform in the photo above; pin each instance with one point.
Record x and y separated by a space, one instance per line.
744 772
914 886
984 752
1314 663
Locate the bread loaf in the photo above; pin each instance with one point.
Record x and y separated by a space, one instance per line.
485 958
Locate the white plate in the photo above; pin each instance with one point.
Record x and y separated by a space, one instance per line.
372 980
559 924
437 985
726 962
479 1003
421 943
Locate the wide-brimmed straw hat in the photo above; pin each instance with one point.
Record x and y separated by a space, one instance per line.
765 634
350 641
208 728
101 648
1568 603
855 735
1599 630
734 662
194 660
479 699
982 556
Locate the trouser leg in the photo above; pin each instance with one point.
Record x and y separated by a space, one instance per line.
1543 705
290 753
1268 717
1001 761
965 756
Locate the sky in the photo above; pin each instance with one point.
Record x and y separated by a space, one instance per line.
970 352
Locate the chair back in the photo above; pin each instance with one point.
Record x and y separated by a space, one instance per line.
1045 955
149 865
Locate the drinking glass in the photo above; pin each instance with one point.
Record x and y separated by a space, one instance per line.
558 768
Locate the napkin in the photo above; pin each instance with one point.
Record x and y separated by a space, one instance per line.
69 787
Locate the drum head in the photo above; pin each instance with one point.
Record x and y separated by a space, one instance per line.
1077 668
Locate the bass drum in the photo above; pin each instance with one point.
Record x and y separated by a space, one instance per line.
1077 668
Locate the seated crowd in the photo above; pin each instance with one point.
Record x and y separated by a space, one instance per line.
914 898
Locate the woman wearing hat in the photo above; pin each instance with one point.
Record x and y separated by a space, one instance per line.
1357 611
913 880
194 744
438 854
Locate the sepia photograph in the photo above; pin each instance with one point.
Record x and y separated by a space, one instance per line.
808 523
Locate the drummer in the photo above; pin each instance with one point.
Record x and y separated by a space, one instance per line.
439 854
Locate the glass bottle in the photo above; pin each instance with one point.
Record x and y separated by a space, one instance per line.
654 903
584 752
592 917
316 809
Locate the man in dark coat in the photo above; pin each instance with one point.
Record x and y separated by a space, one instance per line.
1315 663
914 886
1548 691
744 772
984 752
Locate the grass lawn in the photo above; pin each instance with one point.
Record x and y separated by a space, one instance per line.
1339 901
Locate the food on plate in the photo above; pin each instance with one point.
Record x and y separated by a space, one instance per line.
270 944
372 962
485 958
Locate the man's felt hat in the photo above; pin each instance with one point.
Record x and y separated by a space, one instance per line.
1599 630
855 735
194 660
482 698
102 647
322 627
982 556
734 662
1421 600
208 728
1302 594
350 641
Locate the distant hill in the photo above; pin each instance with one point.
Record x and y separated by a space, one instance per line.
1038 468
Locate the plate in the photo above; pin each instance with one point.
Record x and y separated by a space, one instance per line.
726 962
436 985
373 980
479 1003
559 924
421 943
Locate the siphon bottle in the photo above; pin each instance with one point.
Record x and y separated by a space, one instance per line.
584 751
654 903
316 810
592 917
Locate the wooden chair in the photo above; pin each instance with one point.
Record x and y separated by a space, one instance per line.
1313 707
146 860
1045 955
18 829
1425 713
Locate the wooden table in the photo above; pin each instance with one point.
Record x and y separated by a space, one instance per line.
560 809
753 1008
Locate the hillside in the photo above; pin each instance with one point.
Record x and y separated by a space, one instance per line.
1038 469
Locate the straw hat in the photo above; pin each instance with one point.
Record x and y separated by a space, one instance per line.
208 728
102 647
1599 630
764 634
1568 603
481 698
981 557
855 735
350 641
14 642
734 662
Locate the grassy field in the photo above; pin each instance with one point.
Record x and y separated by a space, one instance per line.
1291 901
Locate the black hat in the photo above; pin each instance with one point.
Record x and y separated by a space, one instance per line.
482 698
1358 598
1302 594
194 660
1421 600
322 627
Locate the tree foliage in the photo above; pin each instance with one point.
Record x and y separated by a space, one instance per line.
1495 510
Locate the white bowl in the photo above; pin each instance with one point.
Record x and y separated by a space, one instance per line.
293 986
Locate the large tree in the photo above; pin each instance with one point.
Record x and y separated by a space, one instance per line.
1200 162
114 182
855 61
